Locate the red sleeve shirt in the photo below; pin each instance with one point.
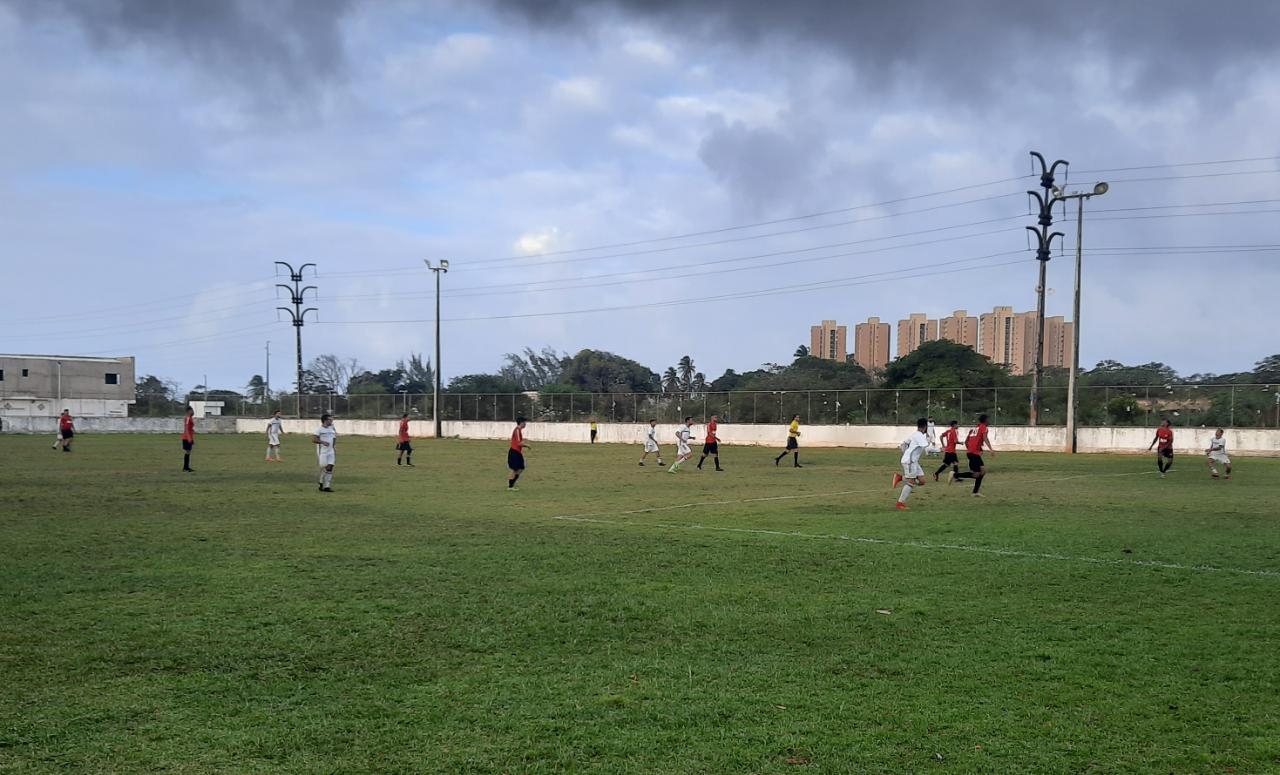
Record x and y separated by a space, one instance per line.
973 443
949 438
1164 438
404 430
711 433
64 422
517 440
189 429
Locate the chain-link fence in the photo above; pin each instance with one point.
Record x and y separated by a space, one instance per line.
1239 406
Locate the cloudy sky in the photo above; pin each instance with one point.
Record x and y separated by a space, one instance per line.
652 178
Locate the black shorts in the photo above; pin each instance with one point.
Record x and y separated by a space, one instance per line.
1166 452
187 445
67 434
404 446
949 458
593 433
711 448
975 461
793 442
515 460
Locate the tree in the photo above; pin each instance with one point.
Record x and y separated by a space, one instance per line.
1267 369
155 397
419 376
1114 373
801 352
670 380
334 371
598 371
313 385
944 364
534 370
374 382
482 383
698 385
257 388
686 370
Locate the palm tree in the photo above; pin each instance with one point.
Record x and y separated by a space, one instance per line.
801 352
686 370
699 385
670 382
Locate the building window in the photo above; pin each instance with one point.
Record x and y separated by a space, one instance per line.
112 379
1 375
24 372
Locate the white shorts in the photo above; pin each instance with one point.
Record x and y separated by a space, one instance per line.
912 471
273 439
650 445
325 457
683 449
1220 457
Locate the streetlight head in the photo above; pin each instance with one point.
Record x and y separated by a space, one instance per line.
444 262
1057 191
1100 188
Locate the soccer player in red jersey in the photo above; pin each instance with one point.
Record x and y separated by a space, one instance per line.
402 442
188 439
712 444
973 444
515 454
1163 442
950 437
66 430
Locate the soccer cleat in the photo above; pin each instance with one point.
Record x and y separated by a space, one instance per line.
411 465
797 465
897 480
1214 474
775 460
978 495
641 462
900 506
721 469
935 477
1228 476
326 489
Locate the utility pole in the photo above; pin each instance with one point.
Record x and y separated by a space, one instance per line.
1058 196
266 382
1044 240
443 268
297 313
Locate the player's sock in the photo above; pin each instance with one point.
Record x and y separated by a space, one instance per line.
186 462
700 461
938 473
977 484
718 468
906 493
965 475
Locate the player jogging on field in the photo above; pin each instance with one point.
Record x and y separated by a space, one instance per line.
973 444
950 437
683 450
1217 453
515 453
595 429
793 443
188 439
326 439
1163 442
712 445
275 429
932 433
912 474
403 447
651 442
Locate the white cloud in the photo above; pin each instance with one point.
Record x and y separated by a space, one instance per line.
581 92
650 51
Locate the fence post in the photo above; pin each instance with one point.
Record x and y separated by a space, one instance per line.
753 408
1232 422
996 411
866 408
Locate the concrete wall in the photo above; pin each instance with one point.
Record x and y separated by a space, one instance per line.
1042 439
91 425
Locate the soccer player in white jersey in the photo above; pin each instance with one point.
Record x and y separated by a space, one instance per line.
275 427
651 442
683 450
912 474
1217 453
325 438
932 433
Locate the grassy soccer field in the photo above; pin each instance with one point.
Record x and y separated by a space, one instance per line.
1087 616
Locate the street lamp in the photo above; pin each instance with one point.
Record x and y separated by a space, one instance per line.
435 398
1044 241
1098 190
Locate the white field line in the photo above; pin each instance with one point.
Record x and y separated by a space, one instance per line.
599 519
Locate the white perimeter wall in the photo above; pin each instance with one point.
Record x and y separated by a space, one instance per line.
1133 440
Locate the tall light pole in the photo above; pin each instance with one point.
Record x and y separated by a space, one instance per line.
1044 239
297 313
1098 190
443 268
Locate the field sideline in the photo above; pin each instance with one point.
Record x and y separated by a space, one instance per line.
1087 616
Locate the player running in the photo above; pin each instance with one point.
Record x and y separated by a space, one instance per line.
1163 442
973 445
950 437
712 444
793 443
912 474
651 442
403 447
683 450
326 439
1217 453
66 430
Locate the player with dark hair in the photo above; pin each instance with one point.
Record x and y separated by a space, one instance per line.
515 453
326 440
793 443
403 446
973 444
1163 442
950 437
712 445
66 430
188 439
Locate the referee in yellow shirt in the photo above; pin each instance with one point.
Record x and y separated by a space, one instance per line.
793 443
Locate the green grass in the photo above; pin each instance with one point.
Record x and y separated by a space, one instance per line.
427 620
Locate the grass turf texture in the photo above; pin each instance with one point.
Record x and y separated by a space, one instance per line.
427 620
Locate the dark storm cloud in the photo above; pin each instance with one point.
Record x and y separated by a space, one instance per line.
964 47
283 44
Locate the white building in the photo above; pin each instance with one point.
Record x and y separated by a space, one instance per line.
44 385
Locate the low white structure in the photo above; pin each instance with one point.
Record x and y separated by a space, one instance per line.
44 385
1243 441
